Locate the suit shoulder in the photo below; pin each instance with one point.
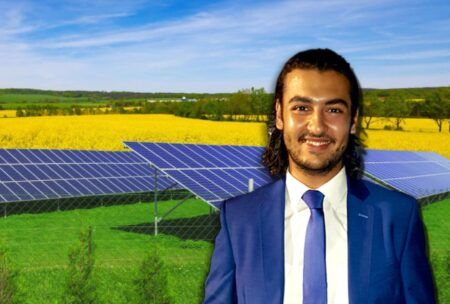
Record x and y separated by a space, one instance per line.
385 198
253 199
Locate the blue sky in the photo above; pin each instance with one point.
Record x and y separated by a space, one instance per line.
216 46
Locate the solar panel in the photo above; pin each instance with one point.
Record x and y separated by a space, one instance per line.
419 174
211 172
37 174
216 173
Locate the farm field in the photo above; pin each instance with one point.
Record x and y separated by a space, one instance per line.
38 246
11 101
7 113
106 132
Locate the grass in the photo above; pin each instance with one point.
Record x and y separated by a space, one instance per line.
38 245
14 101
437 225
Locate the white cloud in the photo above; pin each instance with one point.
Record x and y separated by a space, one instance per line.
224 49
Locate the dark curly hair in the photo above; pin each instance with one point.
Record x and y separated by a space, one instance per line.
275 156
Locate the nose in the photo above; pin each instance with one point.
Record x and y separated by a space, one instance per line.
316 124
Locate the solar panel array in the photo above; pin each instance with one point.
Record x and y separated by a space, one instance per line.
216 173
211 172
38 174
419 174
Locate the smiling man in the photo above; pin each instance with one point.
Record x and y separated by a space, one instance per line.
319 234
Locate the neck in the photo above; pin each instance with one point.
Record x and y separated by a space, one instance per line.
311 178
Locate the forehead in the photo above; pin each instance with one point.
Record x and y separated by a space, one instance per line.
315 84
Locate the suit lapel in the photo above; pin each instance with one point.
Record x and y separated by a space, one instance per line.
360 225
272 239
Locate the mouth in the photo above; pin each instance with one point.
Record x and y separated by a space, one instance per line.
316 143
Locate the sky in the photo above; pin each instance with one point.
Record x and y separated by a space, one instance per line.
216 46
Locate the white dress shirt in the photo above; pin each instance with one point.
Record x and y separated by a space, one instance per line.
296 220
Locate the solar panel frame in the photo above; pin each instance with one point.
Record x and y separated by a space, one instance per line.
37 174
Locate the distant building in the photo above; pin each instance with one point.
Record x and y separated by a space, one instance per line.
182 99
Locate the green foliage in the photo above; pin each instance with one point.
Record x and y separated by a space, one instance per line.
80 285
437 109
373 107
151 283
8 286
397 109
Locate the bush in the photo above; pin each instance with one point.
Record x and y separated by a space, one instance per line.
80 286
392 128
151 282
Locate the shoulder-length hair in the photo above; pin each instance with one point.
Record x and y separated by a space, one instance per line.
275 156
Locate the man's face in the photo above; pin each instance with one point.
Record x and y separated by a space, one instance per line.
315 117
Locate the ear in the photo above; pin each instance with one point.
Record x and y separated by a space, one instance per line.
354 123
279 117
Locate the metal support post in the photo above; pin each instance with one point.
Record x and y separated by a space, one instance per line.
155 209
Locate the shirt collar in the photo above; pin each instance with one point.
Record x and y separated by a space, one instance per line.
334 190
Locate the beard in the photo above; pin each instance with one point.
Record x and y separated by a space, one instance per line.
323 167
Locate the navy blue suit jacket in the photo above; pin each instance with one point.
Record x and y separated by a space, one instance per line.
386 248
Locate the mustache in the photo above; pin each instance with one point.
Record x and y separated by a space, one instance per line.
305 135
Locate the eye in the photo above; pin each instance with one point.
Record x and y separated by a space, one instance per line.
335 110
301 108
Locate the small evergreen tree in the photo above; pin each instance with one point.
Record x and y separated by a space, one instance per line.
8 287
151 282
80 285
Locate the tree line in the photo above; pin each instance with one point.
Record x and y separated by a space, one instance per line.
255 104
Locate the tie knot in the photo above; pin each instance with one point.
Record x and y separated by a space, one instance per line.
313 198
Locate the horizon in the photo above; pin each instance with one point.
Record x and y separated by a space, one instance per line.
182 92
221 47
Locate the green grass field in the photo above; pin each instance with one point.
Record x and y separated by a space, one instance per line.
38 245
14 101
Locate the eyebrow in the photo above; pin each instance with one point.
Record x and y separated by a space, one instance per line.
333 101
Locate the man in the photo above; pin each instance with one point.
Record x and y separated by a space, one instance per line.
319 234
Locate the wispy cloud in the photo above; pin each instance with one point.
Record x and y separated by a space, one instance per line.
225 46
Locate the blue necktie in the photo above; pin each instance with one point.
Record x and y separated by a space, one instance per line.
314 262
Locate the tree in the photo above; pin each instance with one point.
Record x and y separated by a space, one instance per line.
373 107
80 285
396 108
238 104
8 287
151 282
20 112
259 101
437 109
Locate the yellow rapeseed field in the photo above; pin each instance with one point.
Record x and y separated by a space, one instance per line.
106 132
7 113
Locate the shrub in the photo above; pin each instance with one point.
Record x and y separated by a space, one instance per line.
80 286
151 282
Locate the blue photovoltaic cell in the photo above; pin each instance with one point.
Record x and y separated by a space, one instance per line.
36 174
215 172
211 172
419 174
